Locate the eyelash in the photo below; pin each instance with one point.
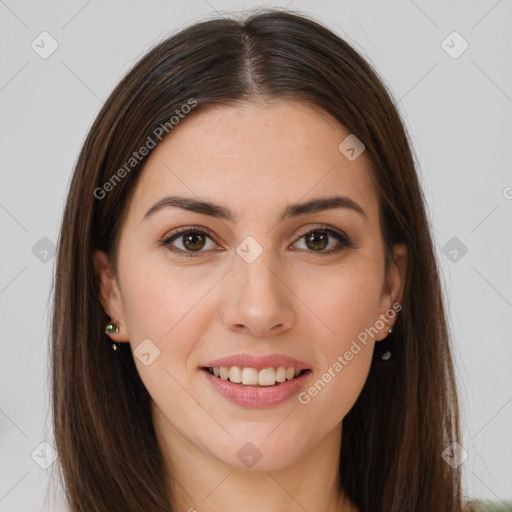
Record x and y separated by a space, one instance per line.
344 240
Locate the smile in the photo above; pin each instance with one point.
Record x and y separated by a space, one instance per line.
247 376
255 395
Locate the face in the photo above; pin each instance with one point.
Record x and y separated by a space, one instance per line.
245 270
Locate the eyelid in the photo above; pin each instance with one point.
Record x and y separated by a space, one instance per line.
322 227
186 229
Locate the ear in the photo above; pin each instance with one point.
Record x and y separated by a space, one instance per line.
110 294
393 288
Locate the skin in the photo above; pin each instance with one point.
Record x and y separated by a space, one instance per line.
255 159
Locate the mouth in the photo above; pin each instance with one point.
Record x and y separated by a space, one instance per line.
248 377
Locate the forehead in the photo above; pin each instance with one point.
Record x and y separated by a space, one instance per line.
256 155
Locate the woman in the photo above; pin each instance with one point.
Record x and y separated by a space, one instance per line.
245 228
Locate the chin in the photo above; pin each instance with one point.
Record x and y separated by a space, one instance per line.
259 454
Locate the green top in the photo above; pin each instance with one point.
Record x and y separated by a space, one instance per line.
487 506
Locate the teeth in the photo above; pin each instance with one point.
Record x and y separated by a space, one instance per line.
235 374
281 374
250 376
267 377
253 377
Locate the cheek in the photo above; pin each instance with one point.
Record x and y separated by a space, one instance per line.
345 356
347 300
164 307
332 393
347 303
160 301
168 307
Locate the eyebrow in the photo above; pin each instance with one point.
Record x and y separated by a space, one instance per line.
293 210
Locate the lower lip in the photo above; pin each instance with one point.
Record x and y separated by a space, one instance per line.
257 397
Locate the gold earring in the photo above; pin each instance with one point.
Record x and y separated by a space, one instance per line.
387 354
113 328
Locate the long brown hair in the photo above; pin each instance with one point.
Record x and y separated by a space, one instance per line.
407 413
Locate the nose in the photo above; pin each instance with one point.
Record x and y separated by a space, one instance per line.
257 300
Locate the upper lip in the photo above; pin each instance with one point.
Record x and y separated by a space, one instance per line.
258 362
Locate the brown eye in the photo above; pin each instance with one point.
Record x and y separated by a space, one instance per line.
317 240
189 241
320 239
193 241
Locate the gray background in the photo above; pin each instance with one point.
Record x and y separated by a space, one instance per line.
457 111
